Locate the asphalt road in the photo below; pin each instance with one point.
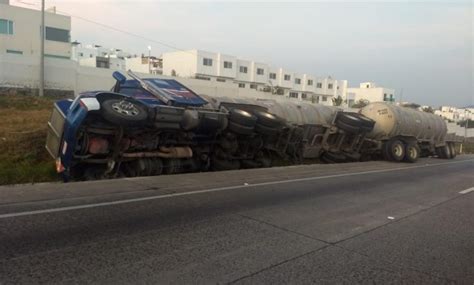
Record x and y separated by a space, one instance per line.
374 222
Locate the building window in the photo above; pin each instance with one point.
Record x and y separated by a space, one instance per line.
273 75
6 27
297 81
319 85
207 61
310 82
243 69
57 35
304 96
14 51
287 77
367 86
228 64
241 85
293 94
325 98
81 54
220 80
329 86
337 87
253 86
260 71
91 56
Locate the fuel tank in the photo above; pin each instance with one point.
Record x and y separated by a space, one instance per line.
391 121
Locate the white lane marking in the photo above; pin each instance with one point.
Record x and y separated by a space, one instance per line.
466 190
164 196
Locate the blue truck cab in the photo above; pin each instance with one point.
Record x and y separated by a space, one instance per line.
132 106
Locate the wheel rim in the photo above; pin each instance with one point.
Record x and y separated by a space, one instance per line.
398 150
125 108
412 152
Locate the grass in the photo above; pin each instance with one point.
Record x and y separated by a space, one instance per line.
23 122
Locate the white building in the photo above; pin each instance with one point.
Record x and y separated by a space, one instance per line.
455 114
20 32
248 74
371 92
113 58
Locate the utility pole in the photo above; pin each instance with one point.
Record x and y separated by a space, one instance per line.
41 81
149 59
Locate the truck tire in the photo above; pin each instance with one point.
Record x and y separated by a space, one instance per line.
333 157
397 150
124 112
265 130
366 123
412 152
242 118
240 129
221 164
443 152
268 120
347 128
352 119
452 149
386 154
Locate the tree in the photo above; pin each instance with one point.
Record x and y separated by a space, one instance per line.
337 101
361 103
411 105
428 110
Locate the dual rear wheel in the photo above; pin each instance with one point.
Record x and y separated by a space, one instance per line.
397 150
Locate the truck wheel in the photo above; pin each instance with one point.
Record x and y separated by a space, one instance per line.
412 152
264 130
333 157
351 119
242 117
240 129
366 123
452 149
347 128
124 112
221 164
397 150
268 120
386 154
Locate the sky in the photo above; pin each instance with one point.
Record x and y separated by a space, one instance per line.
424 50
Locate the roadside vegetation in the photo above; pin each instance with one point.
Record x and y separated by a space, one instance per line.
23 122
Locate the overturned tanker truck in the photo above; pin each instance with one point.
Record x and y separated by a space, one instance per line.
405 134
158 126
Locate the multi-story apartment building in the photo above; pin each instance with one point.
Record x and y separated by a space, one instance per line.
249 74
20 32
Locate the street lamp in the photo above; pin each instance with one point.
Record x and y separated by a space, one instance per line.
41 83
149 59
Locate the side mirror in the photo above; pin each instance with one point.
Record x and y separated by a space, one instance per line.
119 77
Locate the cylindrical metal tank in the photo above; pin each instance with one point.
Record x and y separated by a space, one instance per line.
298 113
391 121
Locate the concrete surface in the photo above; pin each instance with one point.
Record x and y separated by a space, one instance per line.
376 222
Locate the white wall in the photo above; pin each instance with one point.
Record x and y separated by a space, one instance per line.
22 71
184 63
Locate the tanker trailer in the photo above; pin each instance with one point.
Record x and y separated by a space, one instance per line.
304 131
405 134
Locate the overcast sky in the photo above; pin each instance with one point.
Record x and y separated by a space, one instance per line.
426 48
